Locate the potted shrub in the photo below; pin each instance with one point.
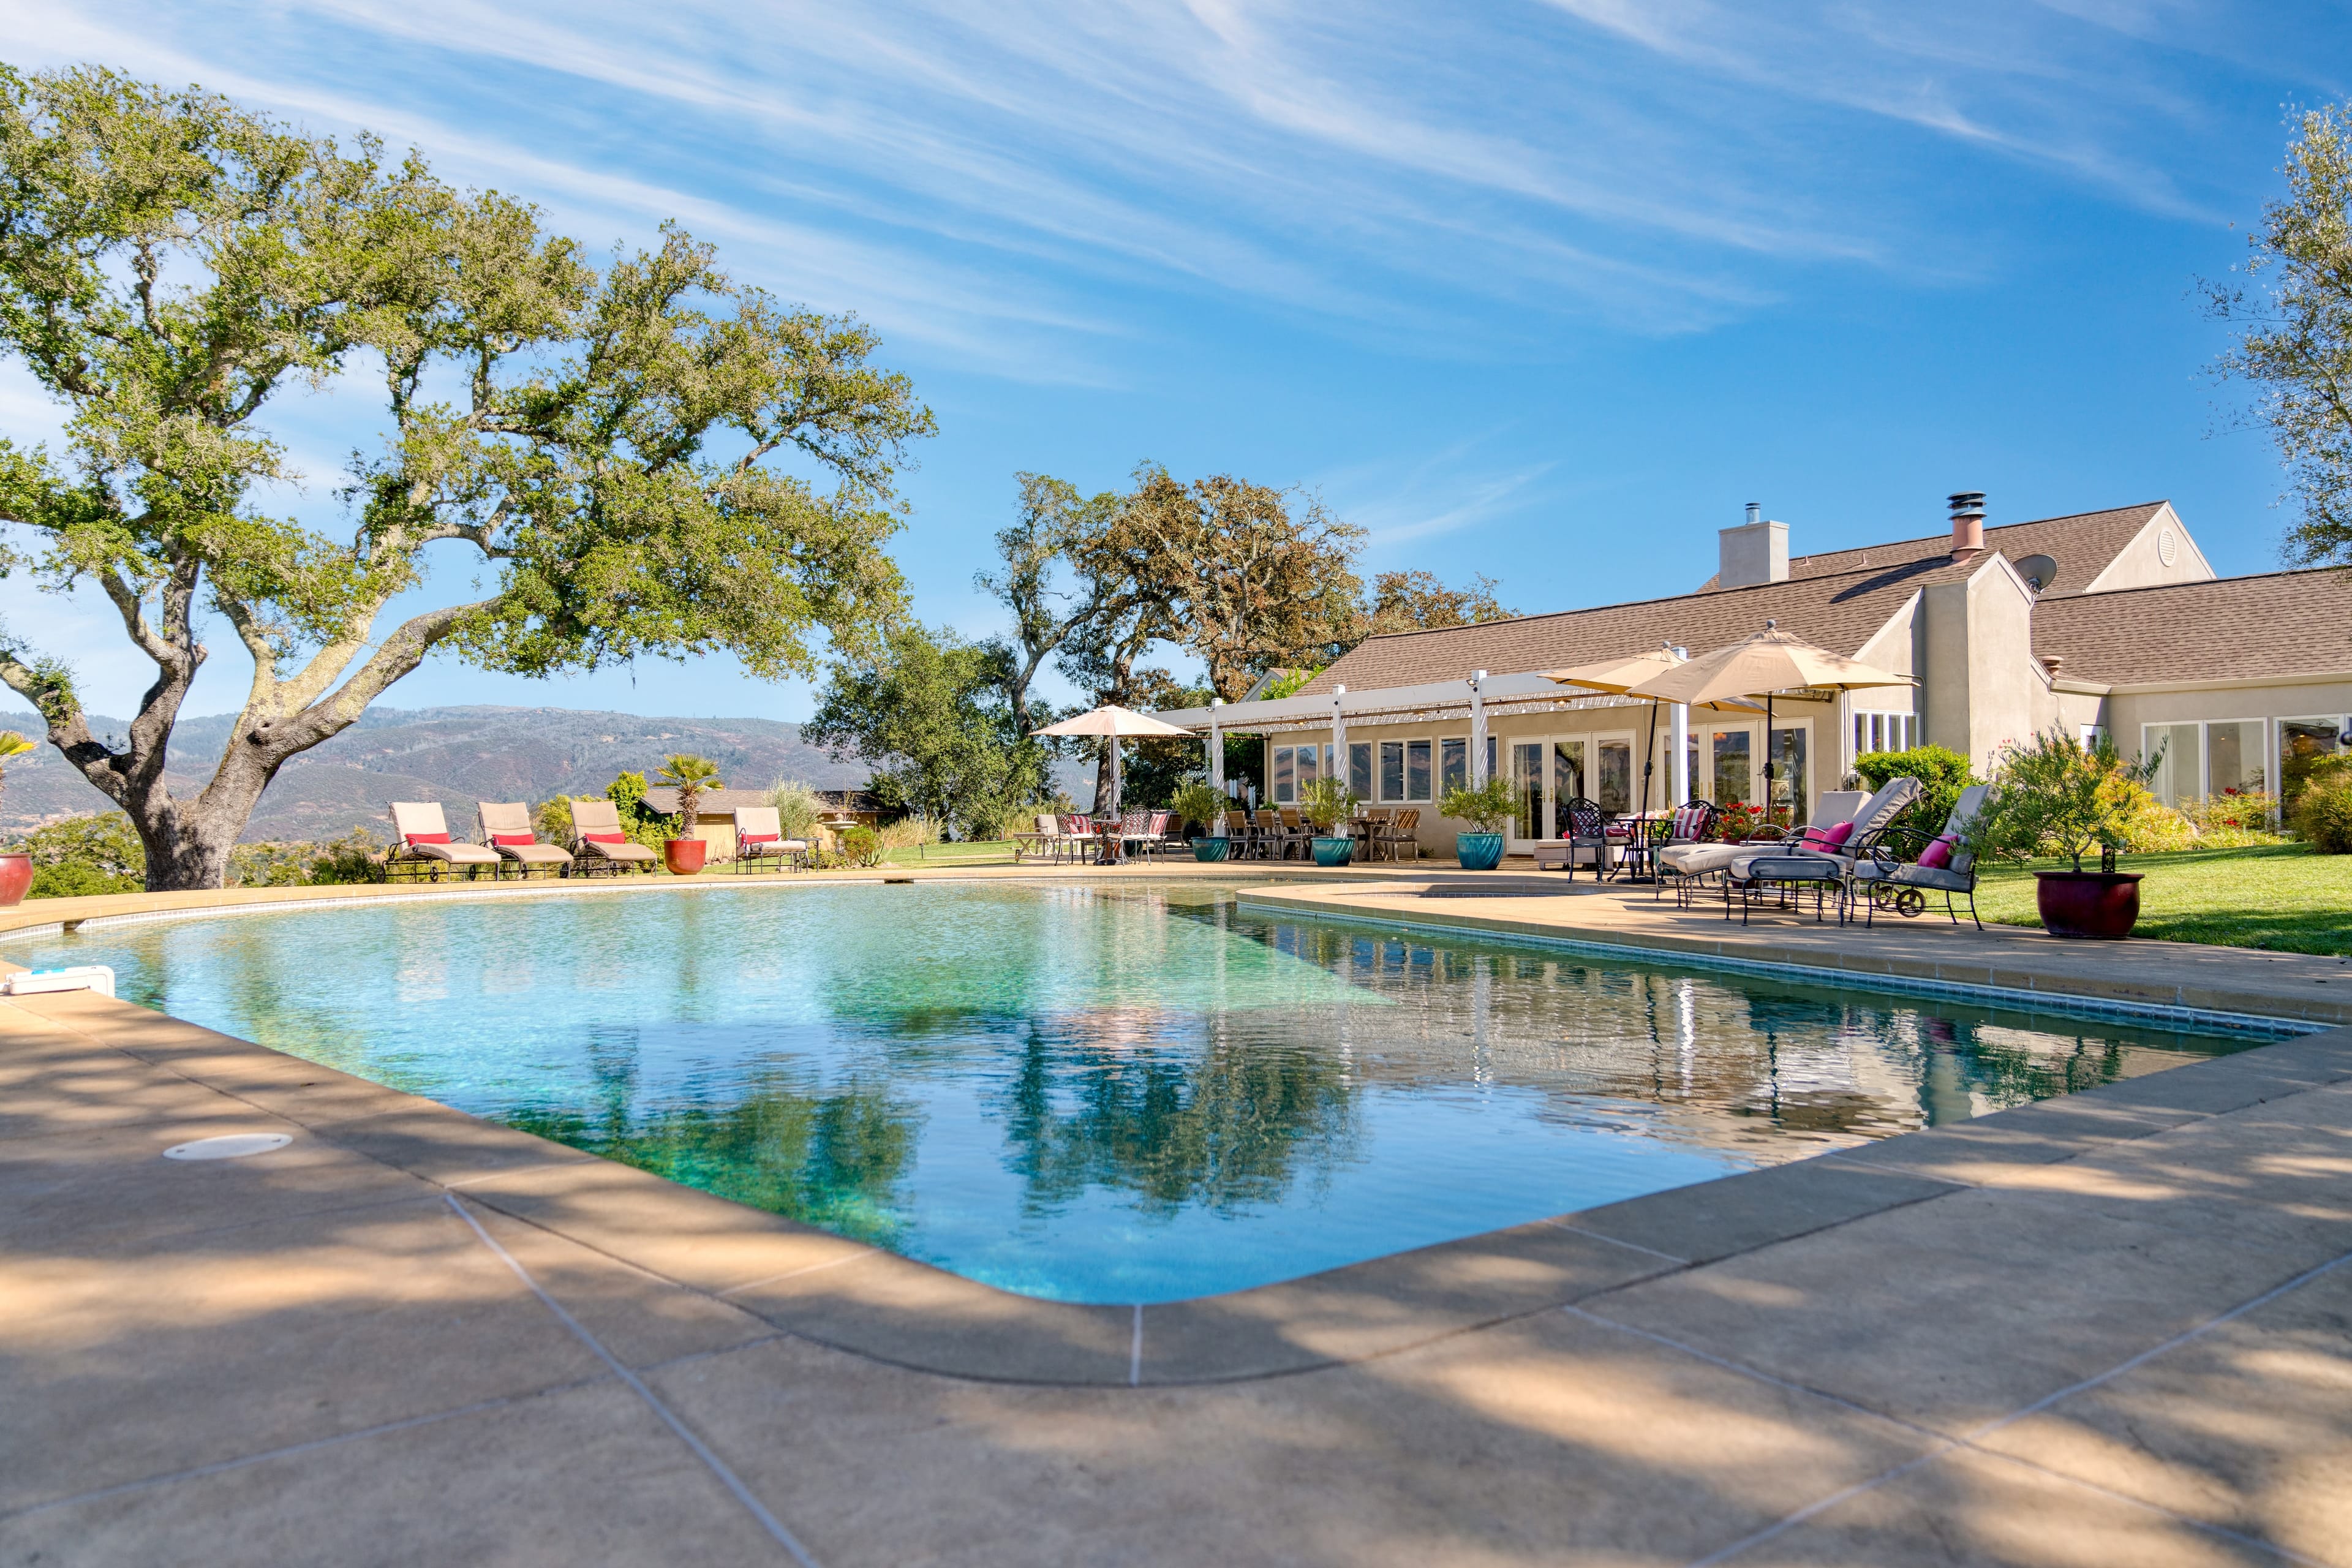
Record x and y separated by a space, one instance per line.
689 775
1326 803
15 865
2056 796
1200 805
1487 808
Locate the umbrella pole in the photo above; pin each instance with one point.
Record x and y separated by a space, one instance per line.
1649 762
1768 761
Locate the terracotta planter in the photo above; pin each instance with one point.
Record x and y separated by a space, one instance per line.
1212 849
16 876
684 855
1334 851
2103 905
1479 851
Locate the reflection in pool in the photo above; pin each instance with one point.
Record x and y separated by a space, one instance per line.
1135 1093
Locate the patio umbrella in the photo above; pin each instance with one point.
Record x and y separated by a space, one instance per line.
1618 677
1114 723
1770 662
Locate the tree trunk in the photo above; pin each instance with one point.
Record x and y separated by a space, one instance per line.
188 842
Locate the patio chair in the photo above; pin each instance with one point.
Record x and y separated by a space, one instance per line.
599 845
1690 827
1587 835
1402 827
1168 833
1078 836
1244 835
760 839
1134 827
505 828
424 847
1894 873
1297 834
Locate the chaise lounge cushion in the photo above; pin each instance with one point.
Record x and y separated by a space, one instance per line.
1700 860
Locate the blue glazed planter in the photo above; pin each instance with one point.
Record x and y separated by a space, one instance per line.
1334 851
1479 851
1212 849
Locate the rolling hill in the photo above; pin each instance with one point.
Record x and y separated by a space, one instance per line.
454 755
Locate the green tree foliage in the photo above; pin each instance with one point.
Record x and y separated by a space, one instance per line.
76 857
2322 816
1942 773
2294 331
2055 795
1417 600
689 775
600 443
1485 808
929 712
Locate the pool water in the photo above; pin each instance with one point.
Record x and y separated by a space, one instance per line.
1137 1093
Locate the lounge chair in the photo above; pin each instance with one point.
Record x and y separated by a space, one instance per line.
426 848
1587 835
1043 838
505 828
1890 872
599 845
760 838
1401 828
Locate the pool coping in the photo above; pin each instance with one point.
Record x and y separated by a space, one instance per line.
863 1299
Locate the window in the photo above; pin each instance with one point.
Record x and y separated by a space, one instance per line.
2235 758
1453 766
1732 771
1613 776
1306 768
1416 769
1528 790
1360 768
2179 773
1884 733
1391 769
1283 790
1405 769
1566 775
2302 743
1788 771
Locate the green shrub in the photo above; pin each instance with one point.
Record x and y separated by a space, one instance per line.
2055 795
1942 773
77 857
861 846
1326 803
2323 813
356 857
1485 808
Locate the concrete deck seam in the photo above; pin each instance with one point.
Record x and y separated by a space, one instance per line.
1616 1241
858 1257
2269 1026
1969 1440
220 1466
701 1450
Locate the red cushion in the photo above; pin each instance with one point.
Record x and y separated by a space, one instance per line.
605 837
512 839
757 837
428 838
1937 855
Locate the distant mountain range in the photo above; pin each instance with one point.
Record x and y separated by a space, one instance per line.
455 755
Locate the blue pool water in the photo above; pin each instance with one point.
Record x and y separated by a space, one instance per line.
1129 1094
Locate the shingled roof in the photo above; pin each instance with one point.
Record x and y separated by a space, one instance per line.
2275 624
2084 544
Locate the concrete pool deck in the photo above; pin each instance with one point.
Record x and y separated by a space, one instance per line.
2111 1329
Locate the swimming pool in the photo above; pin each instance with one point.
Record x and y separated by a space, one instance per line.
1101 1094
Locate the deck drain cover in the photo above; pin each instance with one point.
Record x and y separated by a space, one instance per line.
228 1146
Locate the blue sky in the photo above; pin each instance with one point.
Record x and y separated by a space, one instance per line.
1544 291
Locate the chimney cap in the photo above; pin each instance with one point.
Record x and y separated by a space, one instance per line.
1967 503
1755 512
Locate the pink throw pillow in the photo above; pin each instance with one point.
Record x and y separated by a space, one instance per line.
512 840
428 838
1936 855
1840 833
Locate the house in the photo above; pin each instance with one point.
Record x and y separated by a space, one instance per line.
2103 621
715 818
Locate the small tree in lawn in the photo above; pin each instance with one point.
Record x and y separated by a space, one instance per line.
689 775
2056 796
598 442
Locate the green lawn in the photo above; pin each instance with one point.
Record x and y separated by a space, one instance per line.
2278 896
998 852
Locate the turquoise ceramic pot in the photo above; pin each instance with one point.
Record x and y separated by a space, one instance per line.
1334 851
1479 851
1212 849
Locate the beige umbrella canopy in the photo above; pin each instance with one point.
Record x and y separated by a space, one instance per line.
1618 677
1771 661
1114 722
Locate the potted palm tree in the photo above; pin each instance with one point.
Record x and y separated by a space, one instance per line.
1204 804
2057 795
1326 803
1487 808
689 775
16 866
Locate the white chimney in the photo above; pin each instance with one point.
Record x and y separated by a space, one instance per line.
1756 552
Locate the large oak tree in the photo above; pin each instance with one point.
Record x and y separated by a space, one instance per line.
607 447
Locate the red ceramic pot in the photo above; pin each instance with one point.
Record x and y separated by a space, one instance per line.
16 876
2101 904
684 855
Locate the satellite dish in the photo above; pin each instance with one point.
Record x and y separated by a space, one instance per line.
2041 571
